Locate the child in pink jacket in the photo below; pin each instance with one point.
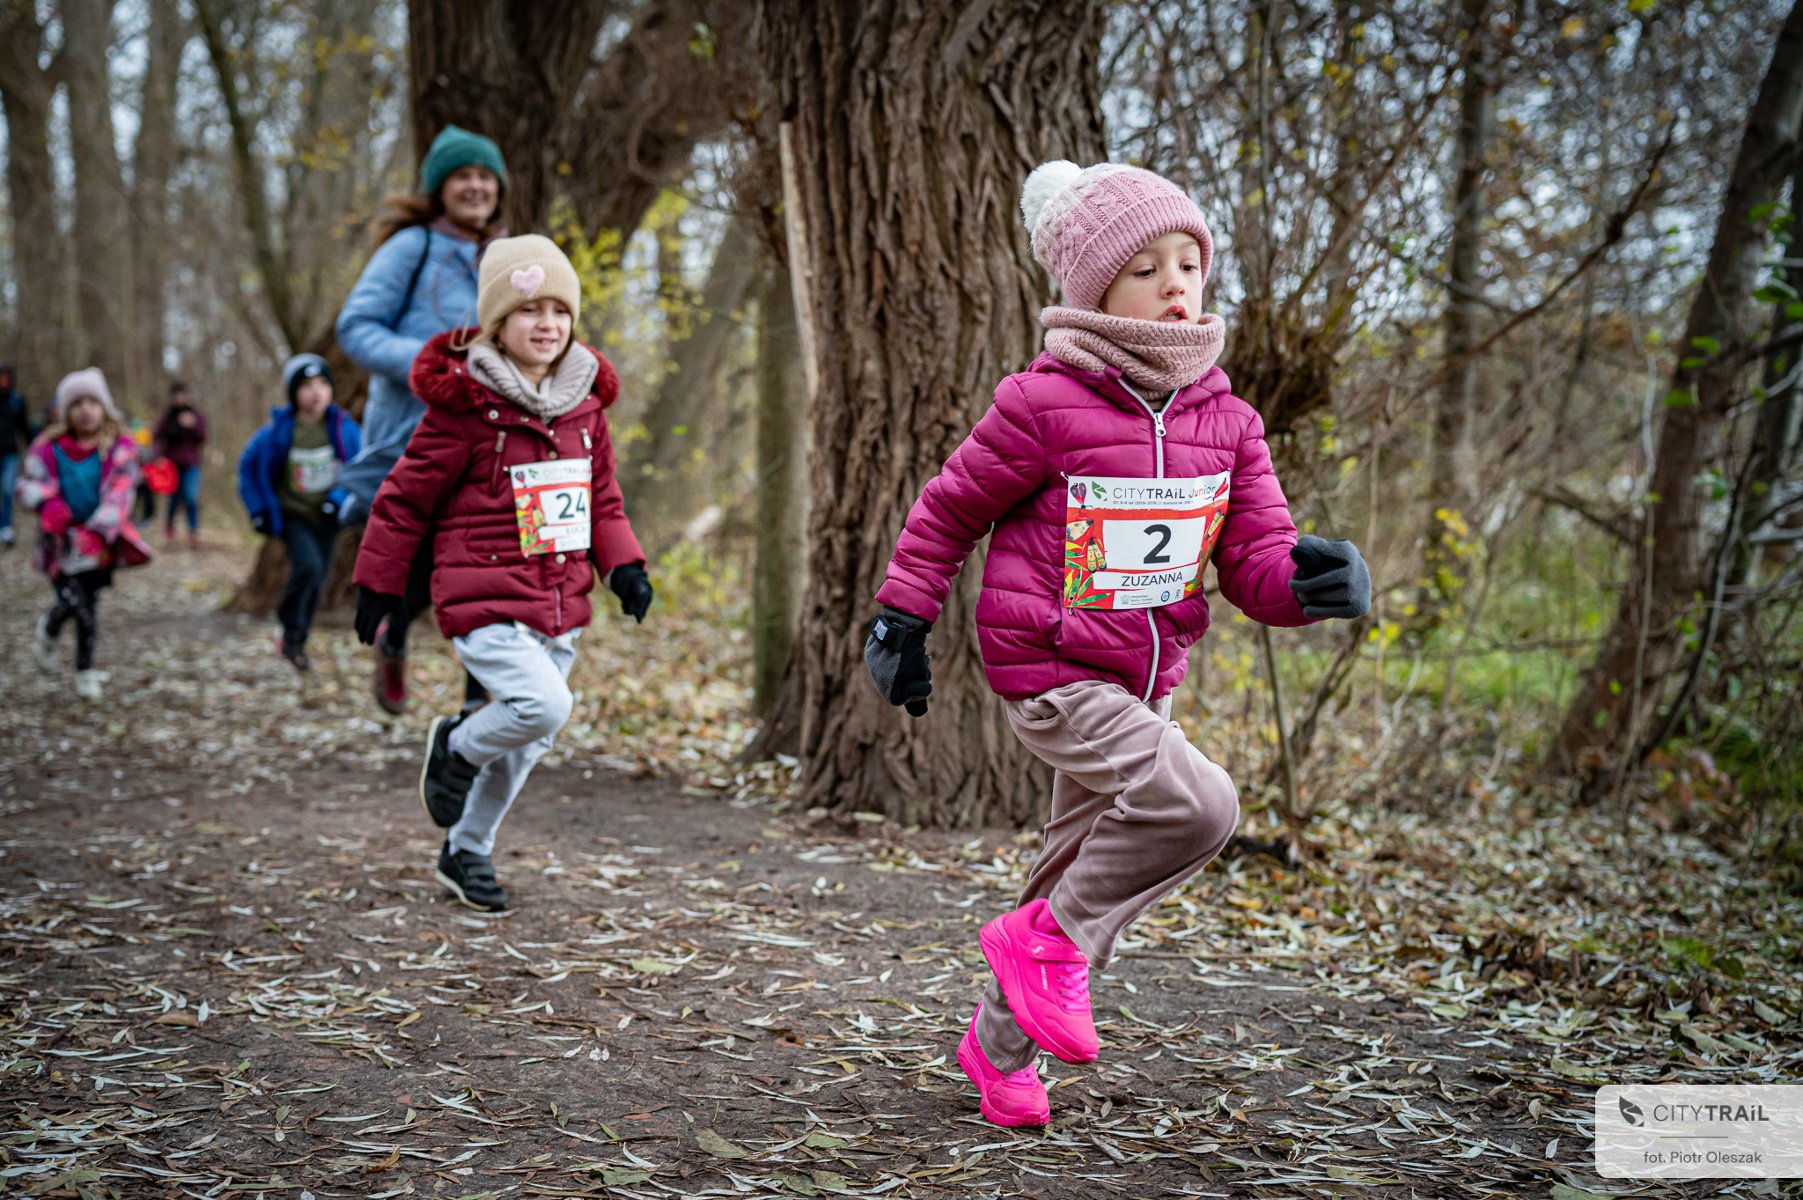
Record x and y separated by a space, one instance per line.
81 476
1111 470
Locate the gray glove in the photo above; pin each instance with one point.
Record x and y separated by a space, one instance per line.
1331 578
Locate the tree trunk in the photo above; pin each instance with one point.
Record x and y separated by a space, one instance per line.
660 92
1348 125
103 243
782 491
663 468
510 72
153 163
1621 692
915 122
38 248
268 246
1450 485
1778 434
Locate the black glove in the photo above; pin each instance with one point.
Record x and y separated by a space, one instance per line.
896 653
260 523
329 510
633 587
372 609
1331 578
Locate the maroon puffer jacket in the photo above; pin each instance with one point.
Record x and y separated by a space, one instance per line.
454 483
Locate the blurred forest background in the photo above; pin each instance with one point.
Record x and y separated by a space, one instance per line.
1514 285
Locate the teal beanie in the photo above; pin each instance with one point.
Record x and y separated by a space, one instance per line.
454 148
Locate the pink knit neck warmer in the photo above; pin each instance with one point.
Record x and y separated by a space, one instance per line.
1158 355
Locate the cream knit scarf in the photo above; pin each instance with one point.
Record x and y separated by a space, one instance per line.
555 395
1161 356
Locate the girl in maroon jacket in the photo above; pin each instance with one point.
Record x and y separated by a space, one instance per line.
1111 470
511 473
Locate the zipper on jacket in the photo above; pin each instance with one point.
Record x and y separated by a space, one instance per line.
500 441
1158 449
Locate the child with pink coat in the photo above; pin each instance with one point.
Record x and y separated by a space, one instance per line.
1110 471
80 477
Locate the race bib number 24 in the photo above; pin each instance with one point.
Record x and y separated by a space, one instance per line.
551 503
1139 543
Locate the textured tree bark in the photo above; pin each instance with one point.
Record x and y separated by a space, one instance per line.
782 492
102 243
153 162
1622 691
915 122
509 71
40 255
682 75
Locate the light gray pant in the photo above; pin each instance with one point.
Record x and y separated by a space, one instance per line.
525 673
1136 810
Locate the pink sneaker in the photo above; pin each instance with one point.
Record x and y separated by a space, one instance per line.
1045 977
1014 1099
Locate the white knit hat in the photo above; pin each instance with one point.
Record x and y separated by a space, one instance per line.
89 381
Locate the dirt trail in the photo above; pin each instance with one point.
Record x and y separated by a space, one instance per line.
225 970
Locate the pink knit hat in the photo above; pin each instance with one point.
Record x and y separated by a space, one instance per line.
1087 222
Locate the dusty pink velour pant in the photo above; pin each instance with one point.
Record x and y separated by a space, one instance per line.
1136 810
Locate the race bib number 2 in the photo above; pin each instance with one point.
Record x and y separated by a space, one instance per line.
551 503
1139 543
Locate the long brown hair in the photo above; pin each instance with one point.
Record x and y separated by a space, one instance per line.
404 210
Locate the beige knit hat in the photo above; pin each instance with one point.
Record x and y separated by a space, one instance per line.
517 269
86 382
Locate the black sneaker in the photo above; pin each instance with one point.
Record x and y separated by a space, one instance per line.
446 776
472 877
296 654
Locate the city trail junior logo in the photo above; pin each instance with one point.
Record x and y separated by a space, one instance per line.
1630 1112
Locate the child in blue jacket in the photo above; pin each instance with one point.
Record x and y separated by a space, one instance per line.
288 480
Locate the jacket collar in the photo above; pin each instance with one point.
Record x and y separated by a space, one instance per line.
1108 384
441 377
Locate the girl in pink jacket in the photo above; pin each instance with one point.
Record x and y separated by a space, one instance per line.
81 476
1110 470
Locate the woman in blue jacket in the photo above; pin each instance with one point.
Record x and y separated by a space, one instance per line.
420 282
289 480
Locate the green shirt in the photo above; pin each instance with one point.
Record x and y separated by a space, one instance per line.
309 474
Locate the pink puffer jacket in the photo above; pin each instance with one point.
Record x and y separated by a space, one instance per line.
1052 423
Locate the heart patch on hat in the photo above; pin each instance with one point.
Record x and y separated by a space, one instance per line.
527 280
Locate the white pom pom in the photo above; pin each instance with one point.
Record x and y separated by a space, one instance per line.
1046 181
